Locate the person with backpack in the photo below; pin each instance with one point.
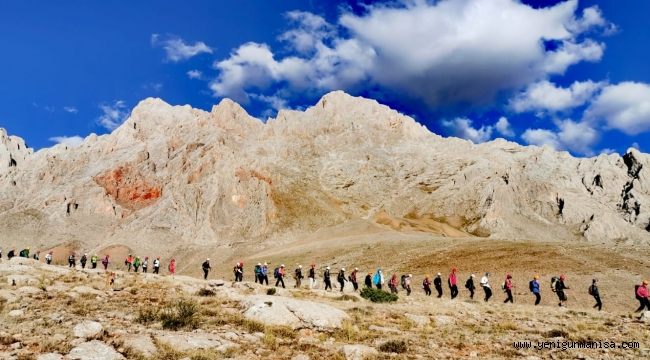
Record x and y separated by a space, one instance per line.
265 274
172 267
485 284
206 268
136 264
340 277
507 288
392 284
83 261
145 264
326 279
452 282
36 256
235 271
533 286
437 282
257 271
93 261
378 279
353 279
368 280
298 276
156 265
48 257
312 276
24 253
72 262
407 284
279 276
593 291
642 295
426 285
469 285
128 262
11 254
559 289
240 272
105 262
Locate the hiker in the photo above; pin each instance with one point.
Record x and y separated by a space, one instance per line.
485 284
0 253
507 288
72 262
312 276
559 289
24 253
239 276
172 267
593 291
11 254
265 274
298 276
378 279
452 282
368 280
206 268
128 262
341 278
37 256
469 285
437 282
136 264
48 258
326 279
235 271
426 285
258 273
83 260
353 279
407 284
156 265
279 276
392 284
534 288
105 262
642 296
93 261
145 264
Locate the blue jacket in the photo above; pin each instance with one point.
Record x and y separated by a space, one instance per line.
265 270
534 287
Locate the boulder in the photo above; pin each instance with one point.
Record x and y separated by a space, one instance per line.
297 314
141 343
195 340
87 290
29 290
16 313
358 352
87 329
645 317
93 350
419 320
443 320
50 356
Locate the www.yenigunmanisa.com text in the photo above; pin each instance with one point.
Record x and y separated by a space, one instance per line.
568 345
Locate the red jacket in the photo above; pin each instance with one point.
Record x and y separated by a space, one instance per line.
452 279
508 284
642 291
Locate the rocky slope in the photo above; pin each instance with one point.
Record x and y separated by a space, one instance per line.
175 176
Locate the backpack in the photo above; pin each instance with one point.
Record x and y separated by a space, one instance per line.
276 272
468 284
530 285
402 281
503 286
636 289
554 281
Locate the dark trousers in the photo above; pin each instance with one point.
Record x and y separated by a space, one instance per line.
72 264
83 264
355 285
94 265
156 269
439 290
342 284
471 293
379 286
509 299
488 293
538 298
258 278
205 274
328 284
644 303
48 261
599 304
454 291
144 269
279 281
264 279
427 290
408 290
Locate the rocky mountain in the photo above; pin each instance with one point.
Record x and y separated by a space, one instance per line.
175 176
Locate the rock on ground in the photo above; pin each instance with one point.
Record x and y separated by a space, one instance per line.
141 343
50 356
419 320
358 352
193 341
93 350
87 329
273 310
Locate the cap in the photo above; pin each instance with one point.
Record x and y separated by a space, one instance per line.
208 259
438 274
299 266
342 269
356 269
645 282
282 265
410 275
328 268
265 264
259 264
536 277
471 275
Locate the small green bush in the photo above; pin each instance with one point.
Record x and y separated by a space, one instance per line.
393 346
378 296
180 315
270 291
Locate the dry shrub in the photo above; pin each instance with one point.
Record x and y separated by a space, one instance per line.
393 346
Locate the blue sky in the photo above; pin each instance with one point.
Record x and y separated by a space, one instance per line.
573 75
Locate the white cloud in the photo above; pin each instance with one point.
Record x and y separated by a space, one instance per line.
545 96
624 106
444 52
70 141
176 49
578 137
608 151
113 115
155 87
503 127
462 128
71 109
195 74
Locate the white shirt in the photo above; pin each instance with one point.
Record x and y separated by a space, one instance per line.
484 282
